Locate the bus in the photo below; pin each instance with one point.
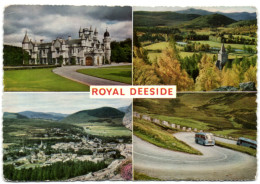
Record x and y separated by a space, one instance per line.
206 139
246 142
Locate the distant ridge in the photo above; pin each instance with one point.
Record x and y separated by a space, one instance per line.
43 115
234 15
99 114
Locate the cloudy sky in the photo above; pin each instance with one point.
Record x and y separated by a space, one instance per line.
50 22
225 9
57 102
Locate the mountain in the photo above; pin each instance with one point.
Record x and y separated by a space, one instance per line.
123 109
243 23
13 115
43 115
145 18
214 20
95 115
235 15
127 120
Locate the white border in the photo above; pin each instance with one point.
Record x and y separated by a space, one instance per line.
181 3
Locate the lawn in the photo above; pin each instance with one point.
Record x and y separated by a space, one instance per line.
115 73
142 177
160 136
39 80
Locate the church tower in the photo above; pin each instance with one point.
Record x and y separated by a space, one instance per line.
222 57
107 41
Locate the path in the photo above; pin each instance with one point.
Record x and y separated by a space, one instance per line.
70 72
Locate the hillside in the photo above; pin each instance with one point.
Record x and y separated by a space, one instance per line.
223 113
9 115
214 20
243 23
234 15
127 120
95 115
144 18
42 115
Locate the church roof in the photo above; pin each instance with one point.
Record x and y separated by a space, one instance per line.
222 49
26 39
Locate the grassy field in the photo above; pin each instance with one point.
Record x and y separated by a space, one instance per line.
105 129
229 114
154 50
243 149
160 136
39 80
116 73
142 177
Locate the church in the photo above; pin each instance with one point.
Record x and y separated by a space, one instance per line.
86 50
222 58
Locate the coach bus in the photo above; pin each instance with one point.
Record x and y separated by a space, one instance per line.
206 139
246 142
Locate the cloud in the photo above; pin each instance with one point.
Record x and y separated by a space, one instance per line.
50 22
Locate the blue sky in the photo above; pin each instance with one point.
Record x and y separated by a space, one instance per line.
57 102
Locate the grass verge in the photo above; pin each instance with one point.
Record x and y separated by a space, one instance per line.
161 137
39 80
142 177
115 73
249 151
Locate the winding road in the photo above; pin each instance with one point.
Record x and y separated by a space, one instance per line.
216 163
70 72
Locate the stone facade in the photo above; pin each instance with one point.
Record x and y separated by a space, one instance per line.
86 50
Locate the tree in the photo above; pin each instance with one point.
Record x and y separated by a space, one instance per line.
60 60
209 76
73 61
169 70
250 74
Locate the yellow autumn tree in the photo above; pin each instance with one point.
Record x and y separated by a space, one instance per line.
250 74
232 76
169 70
143 73
209 75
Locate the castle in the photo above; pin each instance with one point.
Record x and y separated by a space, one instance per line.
86 50
222 57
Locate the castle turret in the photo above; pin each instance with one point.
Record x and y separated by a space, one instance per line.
222 57
107 50
80 32
26 42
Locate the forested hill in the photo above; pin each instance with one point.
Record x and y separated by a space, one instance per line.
214 20
243 23
103 113
144 18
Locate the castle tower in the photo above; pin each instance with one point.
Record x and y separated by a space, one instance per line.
80 32
222 57
107 49
26 42
95 34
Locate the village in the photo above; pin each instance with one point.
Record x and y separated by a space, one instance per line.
83 149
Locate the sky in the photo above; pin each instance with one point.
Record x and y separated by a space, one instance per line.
225 9
49 22
65 103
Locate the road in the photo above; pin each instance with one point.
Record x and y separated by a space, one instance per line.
216 163
70 72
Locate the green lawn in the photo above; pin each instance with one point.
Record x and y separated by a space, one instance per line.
39 80
116 73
